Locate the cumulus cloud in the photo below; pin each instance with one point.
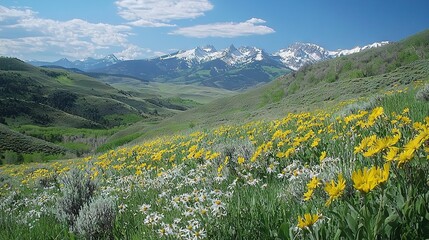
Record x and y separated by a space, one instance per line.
75 38
135 52
226 29
159 13
6 13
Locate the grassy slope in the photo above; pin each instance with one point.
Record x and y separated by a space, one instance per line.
15 141
199 94
321 85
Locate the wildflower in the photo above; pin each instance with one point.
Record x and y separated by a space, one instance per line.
335 190
199 234
322 156
371 152
122 207
308 220
314 183
367 179
308 194
366 142
240 160
153 219
217 207
271 168
166 230
144 208
405 156
391 154
315 142
253 182
289 152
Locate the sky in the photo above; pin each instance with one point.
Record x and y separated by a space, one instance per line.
48 30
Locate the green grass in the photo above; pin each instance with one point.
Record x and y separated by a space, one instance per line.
254 202
65 80
112 144
199 94
17 142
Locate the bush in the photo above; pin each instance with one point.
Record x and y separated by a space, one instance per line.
423 94
11 157
77 190
96 219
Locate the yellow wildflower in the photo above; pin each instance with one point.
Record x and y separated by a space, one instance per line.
366 179
308 194
335 190
314 183
240 160
308 220
391 154
289 152
322 156
405 156
315 142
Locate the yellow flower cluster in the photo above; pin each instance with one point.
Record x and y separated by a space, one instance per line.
366 179
335 190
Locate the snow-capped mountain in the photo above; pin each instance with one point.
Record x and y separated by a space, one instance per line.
357 49
231 55
86 64
293 57
231 68
300 54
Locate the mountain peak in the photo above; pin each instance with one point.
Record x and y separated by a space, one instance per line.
299 54
231 48
112 57
209 48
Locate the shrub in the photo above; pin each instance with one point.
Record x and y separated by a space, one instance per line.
423 94
77 190
96 219
11 157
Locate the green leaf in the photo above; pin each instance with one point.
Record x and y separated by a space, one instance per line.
337 234
284 231
392 218
352 222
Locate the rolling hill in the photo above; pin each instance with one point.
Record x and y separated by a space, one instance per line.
53 98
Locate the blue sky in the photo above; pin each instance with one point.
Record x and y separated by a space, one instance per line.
136 29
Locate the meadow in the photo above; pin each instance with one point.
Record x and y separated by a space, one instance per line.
358 171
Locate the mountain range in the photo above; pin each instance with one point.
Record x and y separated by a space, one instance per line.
231 68
86 64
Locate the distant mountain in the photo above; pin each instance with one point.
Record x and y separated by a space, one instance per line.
231 68
300 54
87 64
231 56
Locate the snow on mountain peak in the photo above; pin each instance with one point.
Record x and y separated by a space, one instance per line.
294 57
300 54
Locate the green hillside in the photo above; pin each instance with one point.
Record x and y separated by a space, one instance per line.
52 99
17 142
198 94
322 85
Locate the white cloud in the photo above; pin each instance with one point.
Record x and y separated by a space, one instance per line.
76 38
6 13
135 52
159 13
226 29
